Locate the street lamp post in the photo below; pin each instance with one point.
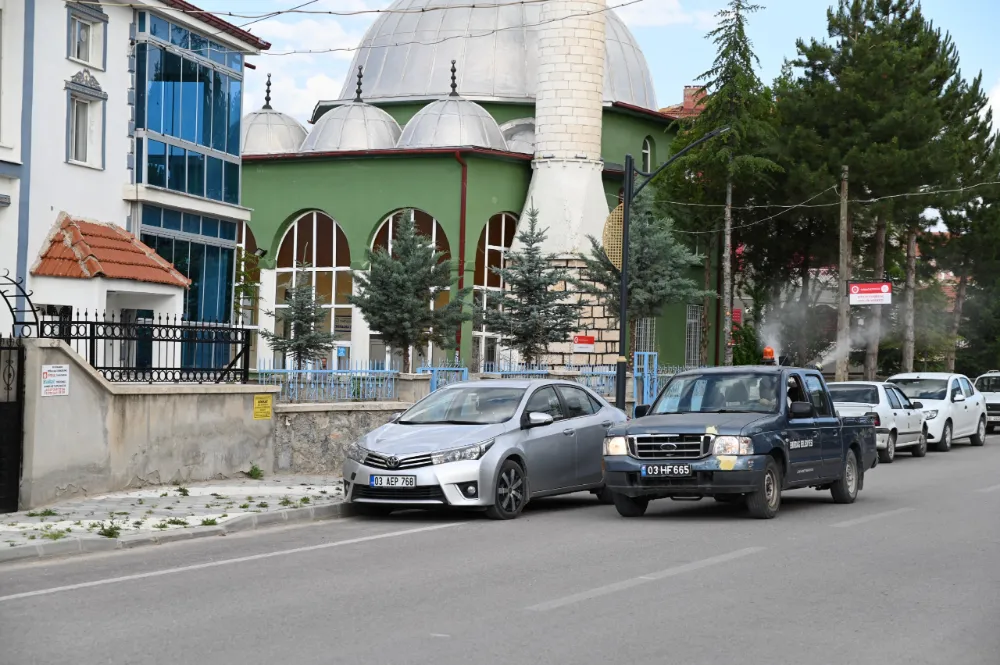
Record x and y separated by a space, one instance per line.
628 195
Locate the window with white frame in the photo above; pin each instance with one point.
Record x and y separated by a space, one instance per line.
86 115
647 154
86 28
692 336
491 252
645 335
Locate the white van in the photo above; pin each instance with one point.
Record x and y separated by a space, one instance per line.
989 385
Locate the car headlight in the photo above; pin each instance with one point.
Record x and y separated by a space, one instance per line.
931 415
472 452
615 445
356 453
732 445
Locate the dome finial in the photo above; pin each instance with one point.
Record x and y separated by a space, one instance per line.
357 97
454 80
267 94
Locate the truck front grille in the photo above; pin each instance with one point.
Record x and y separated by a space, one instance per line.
993 408
670 446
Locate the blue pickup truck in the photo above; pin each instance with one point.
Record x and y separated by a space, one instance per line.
740 435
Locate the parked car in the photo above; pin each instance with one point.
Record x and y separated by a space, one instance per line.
741 435
899 423
953 408
989 385
491 445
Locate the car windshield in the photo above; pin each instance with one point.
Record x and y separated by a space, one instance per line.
988 384
858 394
719 393
465 405
923 388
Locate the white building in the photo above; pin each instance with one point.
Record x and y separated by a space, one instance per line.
123 114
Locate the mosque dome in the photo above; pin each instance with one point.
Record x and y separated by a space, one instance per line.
452 122
519 135
270 132
353 126
496 48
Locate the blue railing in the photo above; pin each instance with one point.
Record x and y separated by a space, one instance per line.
444 375
331 385
602 379
516 370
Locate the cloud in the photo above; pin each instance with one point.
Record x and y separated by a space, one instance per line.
994 97
660 13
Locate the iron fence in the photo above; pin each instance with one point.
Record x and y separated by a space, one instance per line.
444 375
136 349
516 370
331 385
602 379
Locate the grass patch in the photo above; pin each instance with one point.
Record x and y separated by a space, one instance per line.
304 500
255 472
224 515
183 491
161 526
285 501
177 521
110 529
32 537
53 535
48 512
163 495
262 504
209 521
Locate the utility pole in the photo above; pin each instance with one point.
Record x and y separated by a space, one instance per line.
727 271
844 310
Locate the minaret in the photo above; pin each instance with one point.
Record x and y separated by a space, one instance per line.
566 186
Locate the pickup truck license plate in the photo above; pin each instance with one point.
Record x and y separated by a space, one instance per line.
392 481
666 470
994 419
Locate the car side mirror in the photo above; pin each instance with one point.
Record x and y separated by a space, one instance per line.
917 405
958 397
800 410
538 419
642 410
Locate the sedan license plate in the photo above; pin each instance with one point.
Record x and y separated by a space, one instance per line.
666 470
392 481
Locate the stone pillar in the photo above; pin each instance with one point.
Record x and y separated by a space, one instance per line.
412 388
360 337
268 295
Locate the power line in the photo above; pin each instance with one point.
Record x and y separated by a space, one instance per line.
766 219
327 12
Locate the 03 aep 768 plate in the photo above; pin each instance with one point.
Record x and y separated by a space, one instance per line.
666 470
392 481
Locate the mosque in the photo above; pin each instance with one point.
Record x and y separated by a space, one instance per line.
461 118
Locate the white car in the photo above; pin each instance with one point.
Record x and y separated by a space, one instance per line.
899 423
953 408
989 385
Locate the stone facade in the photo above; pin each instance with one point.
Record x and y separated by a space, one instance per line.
595 321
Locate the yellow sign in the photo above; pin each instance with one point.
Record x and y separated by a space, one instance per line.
263 407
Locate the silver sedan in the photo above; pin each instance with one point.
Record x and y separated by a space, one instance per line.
491 445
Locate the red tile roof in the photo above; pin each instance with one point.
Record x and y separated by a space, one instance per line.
83 250
215 21
692 106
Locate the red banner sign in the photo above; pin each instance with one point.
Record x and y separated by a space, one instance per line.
870 293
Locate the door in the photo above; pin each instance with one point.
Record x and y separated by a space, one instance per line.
960 412
975 402
827 427
897 415
910 430
805 456
11 421
590 426
550 451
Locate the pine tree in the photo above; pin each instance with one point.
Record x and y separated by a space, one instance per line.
530 312
659 269
395 294
304 340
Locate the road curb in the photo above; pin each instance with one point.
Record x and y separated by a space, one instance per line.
251 522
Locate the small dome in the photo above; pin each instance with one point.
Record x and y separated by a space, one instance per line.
452 122
268 132
520 135
353 126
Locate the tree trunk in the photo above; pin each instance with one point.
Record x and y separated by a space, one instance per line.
727 271
956 320
873 331
909 334
706 303
406 359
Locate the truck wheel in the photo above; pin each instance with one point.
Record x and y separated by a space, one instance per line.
886 455
628 506
765 502
920 450
944 443
979 438
845 490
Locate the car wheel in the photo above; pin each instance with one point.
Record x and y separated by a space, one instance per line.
887 454
604 496
628 506
510 492
920 450
765 502
979 438
944 443
845 490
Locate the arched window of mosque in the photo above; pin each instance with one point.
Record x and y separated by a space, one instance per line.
430 228
314 252
647 154
494 243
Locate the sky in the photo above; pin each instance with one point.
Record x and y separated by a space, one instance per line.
670 32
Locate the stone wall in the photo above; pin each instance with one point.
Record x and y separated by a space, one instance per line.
595 320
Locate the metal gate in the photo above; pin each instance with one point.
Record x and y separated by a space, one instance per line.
11 420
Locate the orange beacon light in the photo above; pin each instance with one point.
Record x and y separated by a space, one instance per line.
768 355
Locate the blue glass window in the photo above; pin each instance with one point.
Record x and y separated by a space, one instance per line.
210 227
235 61
165 248
205 88
156 164
158 27
213 188
212 285
217 52
235 101
226 277
140 85
154 90
196 270
151 216
227 230
171 94
196 173
190 101
171 219
192 223
139 160
231 186
142 21
177 169
179 36
220 110
199 45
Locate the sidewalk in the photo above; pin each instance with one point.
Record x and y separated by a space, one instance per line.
167 513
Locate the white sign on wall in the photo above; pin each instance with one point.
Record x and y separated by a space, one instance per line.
55 380
583 343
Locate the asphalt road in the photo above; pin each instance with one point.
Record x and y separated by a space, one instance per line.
910 574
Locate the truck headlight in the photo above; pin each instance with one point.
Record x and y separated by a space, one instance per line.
732 445
472 452
931 415
356 453
615 445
